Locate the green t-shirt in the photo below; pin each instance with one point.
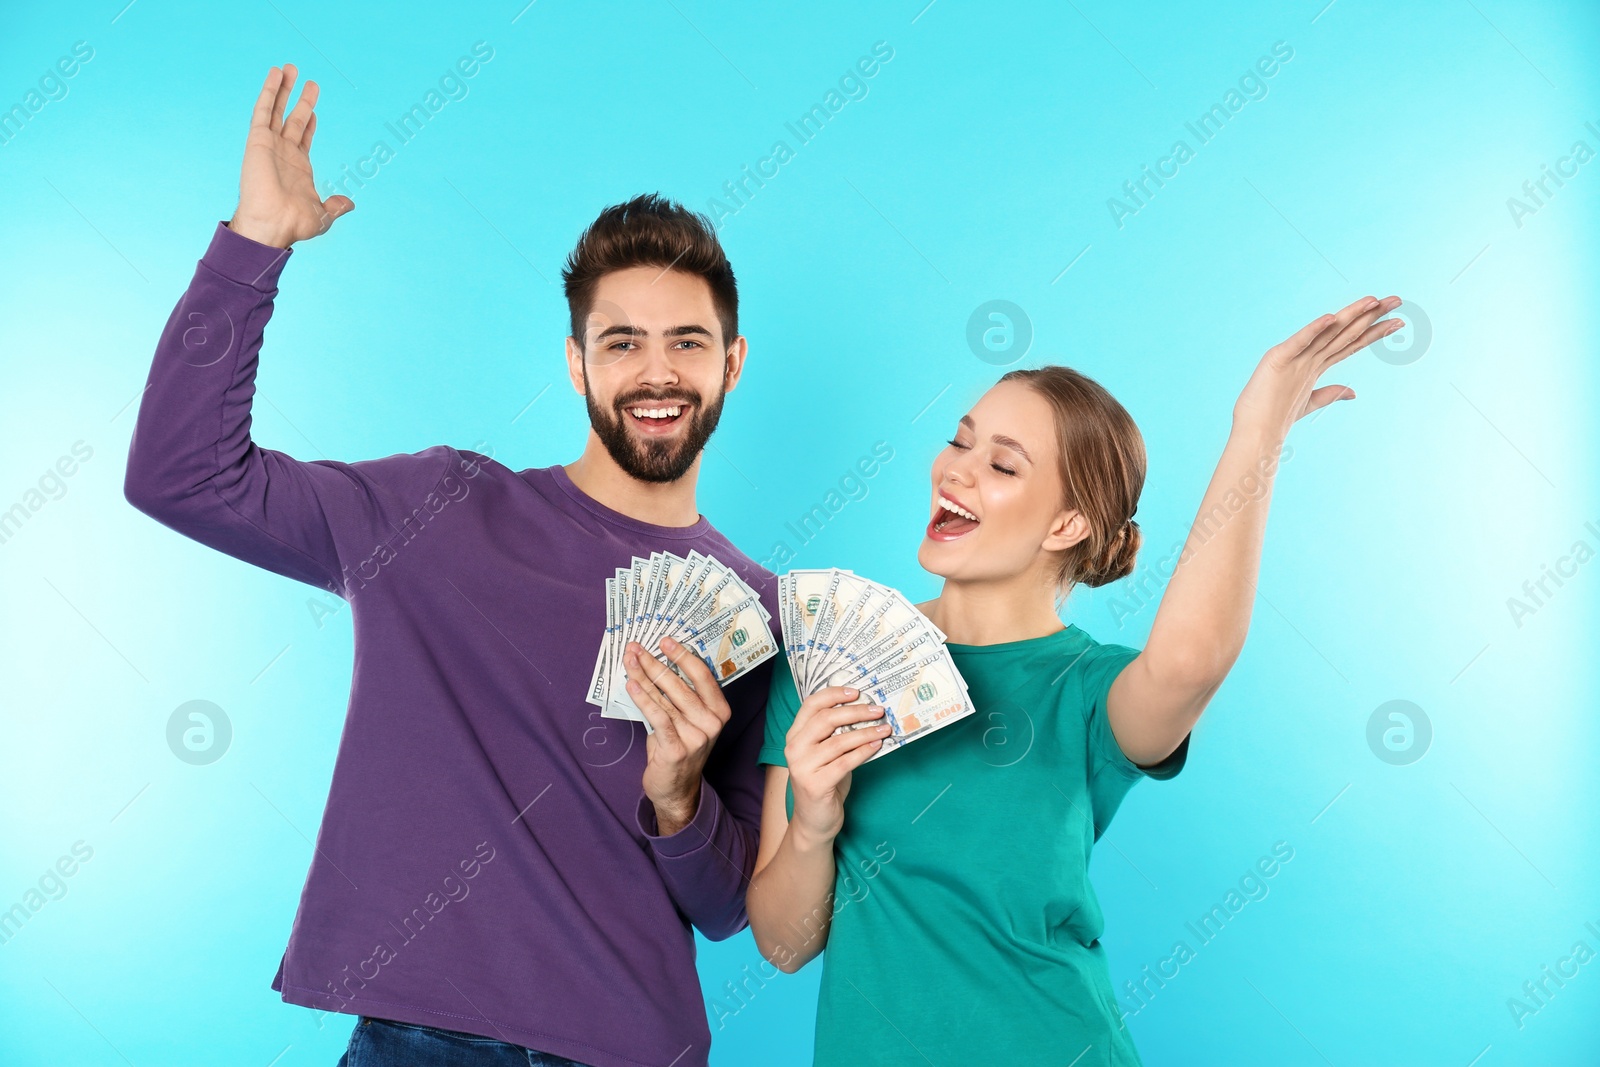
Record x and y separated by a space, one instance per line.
964 926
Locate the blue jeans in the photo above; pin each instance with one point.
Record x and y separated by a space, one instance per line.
382 1043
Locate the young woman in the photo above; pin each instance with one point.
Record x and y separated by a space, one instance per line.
951 893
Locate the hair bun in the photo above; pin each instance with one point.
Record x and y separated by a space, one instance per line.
1117 559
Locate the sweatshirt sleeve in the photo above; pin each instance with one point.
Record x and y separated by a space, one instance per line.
707 864
193 466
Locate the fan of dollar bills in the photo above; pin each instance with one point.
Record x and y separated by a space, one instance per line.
698 602
841 629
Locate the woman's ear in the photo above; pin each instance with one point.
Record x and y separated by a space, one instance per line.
1068 529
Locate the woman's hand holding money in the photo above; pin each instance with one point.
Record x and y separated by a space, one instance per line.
820 761
685 723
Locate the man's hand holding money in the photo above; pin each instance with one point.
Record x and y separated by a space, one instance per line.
685 723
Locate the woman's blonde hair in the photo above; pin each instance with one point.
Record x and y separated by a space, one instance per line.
1101 454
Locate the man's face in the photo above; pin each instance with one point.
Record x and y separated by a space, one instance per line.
653 369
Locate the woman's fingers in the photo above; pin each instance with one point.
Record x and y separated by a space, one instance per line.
1303 337
295 126
281 100
1361 333
824 723
1321 398
855 757
1340 341
821 700
849 740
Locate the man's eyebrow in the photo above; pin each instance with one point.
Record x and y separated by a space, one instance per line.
999 438
627 330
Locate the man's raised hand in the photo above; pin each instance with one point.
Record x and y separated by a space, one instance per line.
278 201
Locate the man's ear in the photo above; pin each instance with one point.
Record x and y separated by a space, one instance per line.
575 366
736 353
1068 529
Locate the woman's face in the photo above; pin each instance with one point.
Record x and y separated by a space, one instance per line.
1002 468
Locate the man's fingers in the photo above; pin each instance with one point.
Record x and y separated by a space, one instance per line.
261 114
663 677
311 131
281 100
658 712
295 126
692 665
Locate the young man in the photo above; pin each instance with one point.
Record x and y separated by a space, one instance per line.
499 869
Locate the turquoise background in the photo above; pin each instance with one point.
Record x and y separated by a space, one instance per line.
977 167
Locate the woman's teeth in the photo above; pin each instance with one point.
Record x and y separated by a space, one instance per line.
951 505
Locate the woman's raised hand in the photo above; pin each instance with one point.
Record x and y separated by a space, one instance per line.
820 763
278 202
1284 385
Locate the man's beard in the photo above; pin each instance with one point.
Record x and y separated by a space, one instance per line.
652 459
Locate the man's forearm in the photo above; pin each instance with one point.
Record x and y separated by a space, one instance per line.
705 862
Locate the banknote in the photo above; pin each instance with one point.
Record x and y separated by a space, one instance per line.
839 628
698 601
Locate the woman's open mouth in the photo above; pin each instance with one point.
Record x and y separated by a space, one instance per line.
658 418
950 520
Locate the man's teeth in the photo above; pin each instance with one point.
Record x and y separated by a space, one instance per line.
951 505
657 413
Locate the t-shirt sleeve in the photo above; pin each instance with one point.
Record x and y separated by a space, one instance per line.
783 704
1099 668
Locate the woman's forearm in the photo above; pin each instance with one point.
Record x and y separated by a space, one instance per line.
790 900
1200 627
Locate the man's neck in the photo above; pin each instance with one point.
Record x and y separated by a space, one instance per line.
658 503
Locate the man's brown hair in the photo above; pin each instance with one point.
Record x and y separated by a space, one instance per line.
650 231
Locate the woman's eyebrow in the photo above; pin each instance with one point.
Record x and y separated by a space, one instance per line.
999 439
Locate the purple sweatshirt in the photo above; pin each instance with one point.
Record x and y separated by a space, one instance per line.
487 859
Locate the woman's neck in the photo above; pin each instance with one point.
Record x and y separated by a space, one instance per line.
988 613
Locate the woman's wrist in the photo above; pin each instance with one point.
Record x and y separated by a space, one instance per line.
807 841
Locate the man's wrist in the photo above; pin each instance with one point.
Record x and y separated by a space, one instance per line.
674 813
260 232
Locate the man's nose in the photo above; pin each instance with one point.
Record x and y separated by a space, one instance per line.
655 368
